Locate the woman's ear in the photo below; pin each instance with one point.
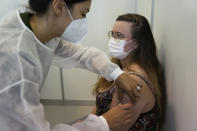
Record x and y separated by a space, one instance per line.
58 7
135 44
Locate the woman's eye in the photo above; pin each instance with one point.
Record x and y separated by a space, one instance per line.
118 36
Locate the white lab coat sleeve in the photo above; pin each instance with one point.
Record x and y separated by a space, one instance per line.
91 123
68 55
21 110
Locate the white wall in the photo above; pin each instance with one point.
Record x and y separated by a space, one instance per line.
175 30
7 5
144 8
52 86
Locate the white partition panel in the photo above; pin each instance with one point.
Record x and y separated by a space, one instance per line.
175 30
52 87
144 8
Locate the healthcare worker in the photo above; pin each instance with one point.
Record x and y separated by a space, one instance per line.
33 38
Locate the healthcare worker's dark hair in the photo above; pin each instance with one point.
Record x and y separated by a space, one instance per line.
146 56
41 6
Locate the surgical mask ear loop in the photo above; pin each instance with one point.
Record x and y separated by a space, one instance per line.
129 42
68 12
133 44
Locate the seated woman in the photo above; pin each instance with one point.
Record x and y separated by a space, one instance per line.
132 46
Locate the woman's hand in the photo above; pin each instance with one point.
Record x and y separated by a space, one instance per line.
119 117
129 85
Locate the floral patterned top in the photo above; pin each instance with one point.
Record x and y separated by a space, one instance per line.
145 122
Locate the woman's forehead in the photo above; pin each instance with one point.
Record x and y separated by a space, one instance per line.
123 27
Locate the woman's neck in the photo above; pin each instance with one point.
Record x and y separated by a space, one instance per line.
127 62
42 29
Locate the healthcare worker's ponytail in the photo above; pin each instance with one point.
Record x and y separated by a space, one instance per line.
41 6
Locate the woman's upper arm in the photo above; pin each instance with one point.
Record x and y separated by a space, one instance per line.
146 99
144 102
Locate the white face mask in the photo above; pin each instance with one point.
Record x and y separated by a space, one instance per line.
116 49
76 30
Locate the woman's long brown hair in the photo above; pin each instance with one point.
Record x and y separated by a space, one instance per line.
145 55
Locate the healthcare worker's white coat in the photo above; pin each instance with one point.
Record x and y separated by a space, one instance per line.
24 64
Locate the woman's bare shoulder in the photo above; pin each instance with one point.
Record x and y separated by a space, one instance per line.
138 69
146 95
